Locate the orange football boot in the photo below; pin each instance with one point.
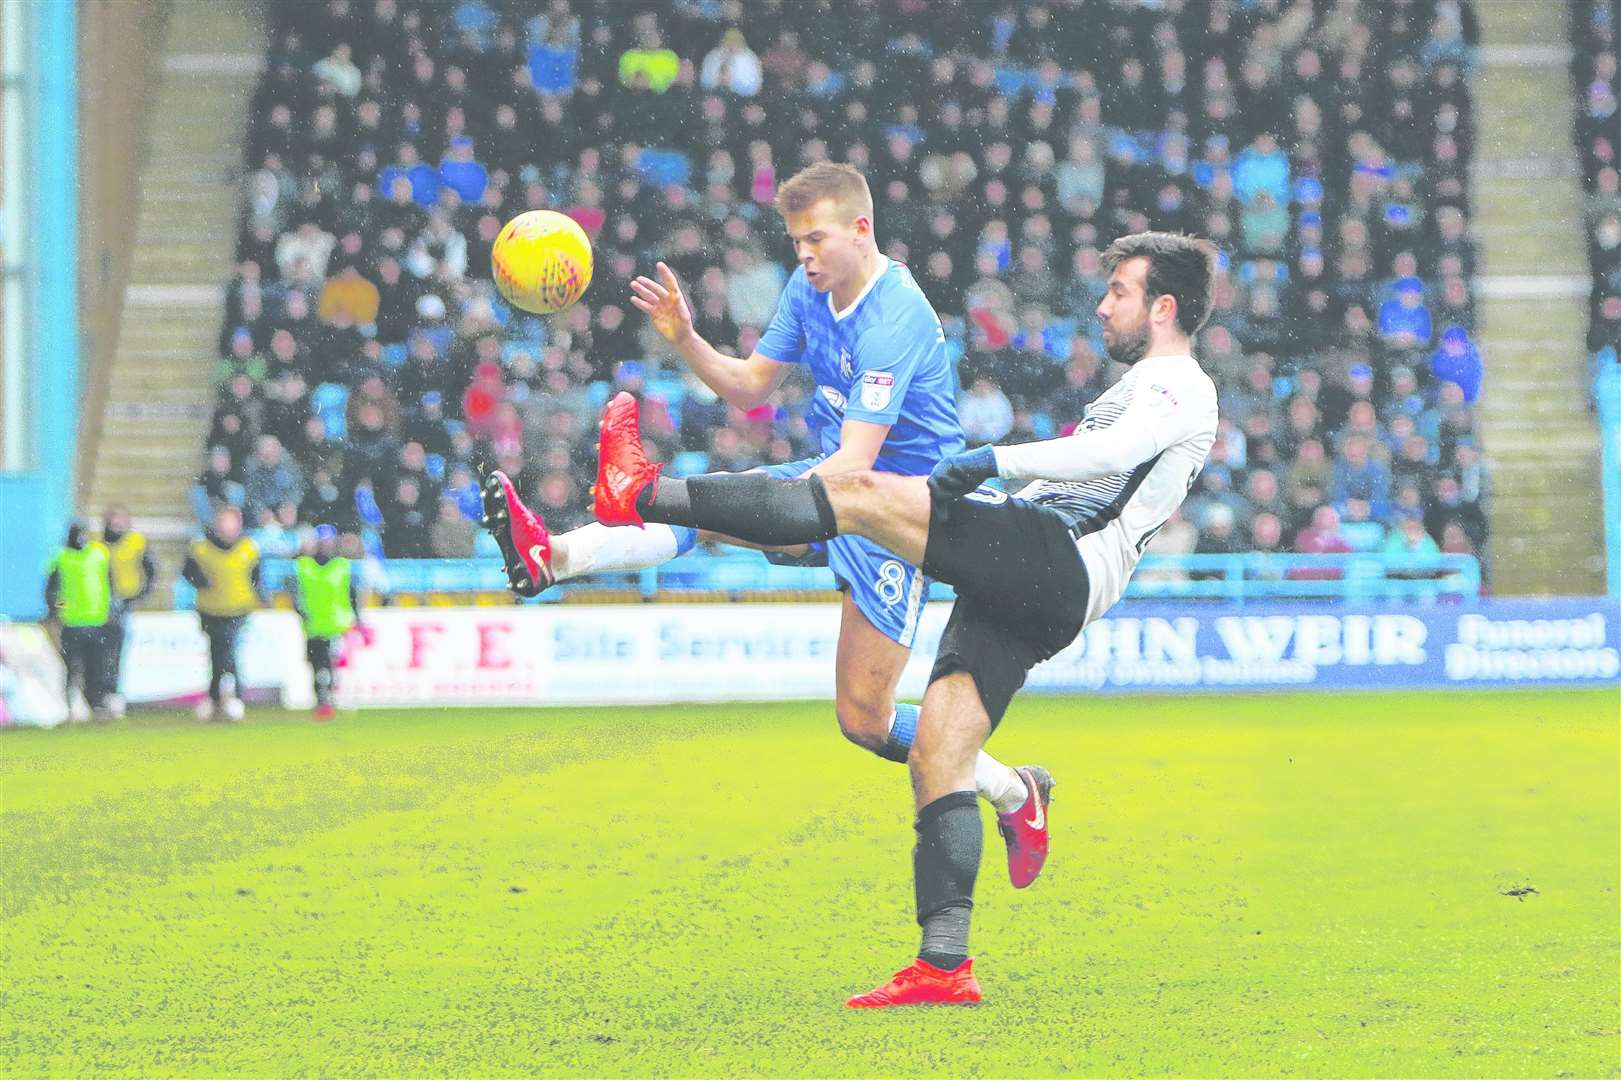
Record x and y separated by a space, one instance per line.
923 984
622 466
525 542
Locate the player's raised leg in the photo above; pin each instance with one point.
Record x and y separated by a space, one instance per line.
537 559
890 510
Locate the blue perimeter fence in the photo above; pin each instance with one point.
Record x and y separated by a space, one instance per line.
1236 578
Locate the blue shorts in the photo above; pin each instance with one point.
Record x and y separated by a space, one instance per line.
889 591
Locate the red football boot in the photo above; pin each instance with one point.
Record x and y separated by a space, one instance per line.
525 542
923 984
1025 830
622 466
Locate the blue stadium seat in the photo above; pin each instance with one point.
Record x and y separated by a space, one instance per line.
689 463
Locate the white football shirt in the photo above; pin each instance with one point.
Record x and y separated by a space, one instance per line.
1128 464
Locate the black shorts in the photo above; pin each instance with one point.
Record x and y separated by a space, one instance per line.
1022 589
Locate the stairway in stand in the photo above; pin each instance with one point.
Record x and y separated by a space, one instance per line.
1540 438
148 437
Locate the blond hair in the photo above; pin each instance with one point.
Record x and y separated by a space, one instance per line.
842 183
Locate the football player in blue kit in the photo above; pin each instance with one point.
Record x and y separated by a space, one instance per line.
884 401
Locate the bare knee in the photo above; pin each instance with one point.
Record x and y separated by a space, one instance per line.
864 723
853 495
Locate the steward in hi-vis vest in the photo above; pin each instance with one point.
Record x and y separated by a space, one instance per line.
134 574
223 566
325 595
79 596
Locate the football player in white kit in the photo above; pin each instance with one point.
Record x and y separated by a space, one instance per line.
1031 569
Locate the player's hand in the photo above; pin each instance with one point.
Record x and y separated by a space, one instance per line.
961 473
664 303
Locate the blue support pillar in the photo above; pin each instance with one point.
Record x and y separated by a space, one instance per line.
35 506
1607 388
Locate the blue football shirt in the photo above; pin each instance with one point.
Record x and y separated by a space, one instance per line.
882 360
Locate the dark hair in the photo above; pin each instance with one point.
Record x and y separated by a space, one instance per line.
1179 266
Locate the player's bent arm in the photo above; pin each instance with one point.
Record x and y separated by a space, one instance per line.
741 383
859 444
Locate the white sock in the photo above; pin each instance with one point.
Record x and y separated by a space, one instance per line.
998 784
598 549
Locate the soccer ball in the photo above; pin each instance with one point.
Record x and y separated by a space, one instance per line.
541 261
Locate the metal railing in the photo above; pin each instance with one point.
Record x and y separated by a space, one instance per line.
1234 578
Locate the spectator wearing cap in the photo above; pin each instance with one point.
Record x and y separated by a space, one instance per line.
1458 361
1404 320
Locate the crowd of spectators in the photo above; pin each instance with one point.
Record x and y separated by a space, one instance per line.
1598 138
367 365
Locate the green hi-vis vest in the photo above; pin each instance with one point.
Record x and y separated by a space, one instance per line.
323 592
86 592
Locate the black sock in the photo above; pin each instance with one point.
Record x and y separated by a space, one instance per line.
751 506
945 863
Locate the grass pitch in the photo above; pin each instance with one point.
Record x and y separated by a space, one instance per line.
1258 886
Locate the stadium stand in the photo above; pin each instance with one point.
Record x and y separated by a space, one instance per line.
367 365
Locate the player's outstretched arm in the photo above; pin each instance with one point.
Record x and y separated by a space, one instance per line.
745 384
1154 420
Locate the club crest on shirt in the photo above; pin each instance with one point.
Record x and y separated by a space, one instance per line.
845 367
876 389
